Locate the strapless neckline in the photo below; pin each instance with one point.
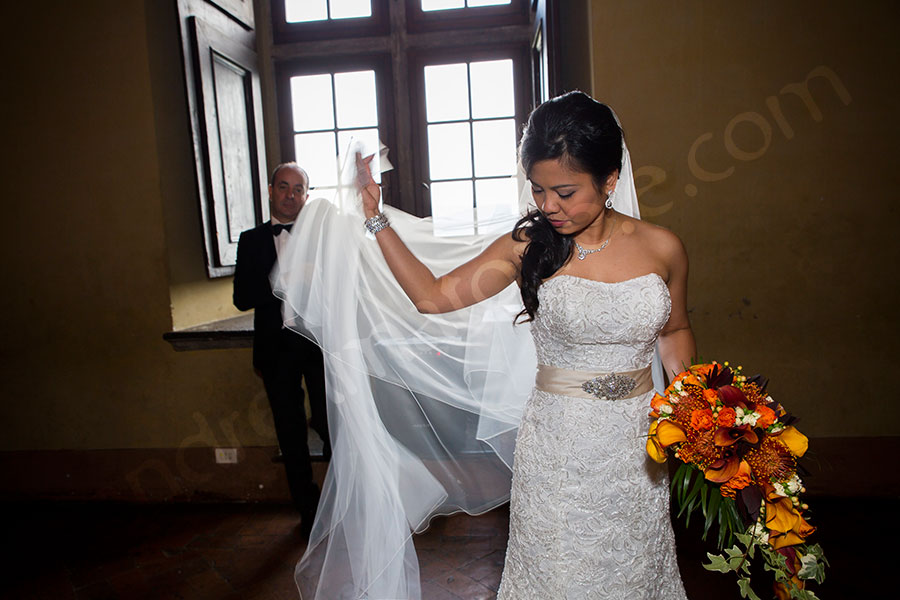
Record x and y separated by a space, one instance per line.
639 277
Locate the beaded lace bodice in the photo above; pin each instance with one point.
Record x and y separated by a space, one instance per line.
589 511
590 325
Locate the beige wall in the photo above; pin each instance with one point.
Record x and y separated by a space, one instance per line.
793 241
793 254
102 237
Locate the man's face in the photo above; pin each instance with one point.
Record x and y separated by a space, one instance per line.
287 194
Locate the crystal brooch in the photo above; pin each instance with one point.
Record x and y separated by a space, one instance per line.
609 387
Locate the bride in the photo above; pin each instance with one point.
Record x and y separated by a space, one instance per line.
588 511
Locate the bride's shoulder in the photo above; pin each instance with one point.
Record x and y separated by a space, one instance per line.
659 241
506 247
656 236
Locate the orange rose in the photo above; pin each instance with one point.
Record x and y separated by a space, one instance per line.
704 369
741 479
711 396
766 416
685 378
726 417
702 419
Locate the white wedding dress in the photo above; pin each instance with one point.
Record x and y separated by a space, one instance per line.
424 412
589 511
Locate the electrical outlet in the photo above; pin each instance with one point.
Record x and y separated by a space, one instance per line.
226 456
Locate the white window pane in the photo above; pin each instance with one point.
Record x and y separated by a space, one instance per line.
497 202
474 3
446 92
495 147
350 9
368 139
442 4
449 151
492 89
311 102
451 208
298 11
317 154
356 102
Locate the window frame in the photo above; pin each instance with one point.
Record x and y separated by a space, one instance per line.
397 47
285 33
419 59
480 17
380 63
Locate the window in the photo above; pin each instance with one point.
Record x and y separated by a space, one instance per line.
429 5
471 139
304 11
329 111
448 105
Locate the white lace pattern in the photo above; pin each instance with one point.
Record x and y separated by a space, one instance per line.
589 511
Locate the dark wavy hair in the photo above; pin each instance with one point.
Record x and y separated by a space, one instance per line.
583 134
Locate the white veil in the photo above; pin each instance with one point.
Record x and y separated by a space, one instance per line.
423 409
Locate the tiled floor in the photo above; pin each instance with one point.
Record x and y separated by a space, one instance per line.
104 551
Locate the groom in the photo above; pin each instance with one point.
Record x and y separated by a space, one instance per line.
280 356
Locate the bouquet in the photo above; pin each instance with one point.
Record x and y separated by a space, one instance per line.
739 449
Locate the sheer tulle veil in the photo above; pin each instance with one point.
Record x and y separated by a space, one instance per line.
422 409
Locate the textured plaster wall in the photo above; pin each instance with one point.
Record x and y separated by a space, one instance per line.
101 236
788 201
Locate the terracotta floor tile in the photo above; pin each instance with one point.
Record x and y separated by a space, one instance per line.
209 584
486 567
433 591
100 551
131 583
465 587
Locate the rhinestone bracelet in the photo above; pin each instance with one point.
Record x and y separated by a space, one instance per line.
376 223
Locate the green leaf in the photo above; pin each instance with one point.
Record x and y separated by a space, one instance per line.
699 484
746 590
811 568
715 500
717 563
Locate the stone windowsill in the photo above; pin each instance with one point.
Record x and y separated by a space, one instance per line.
235 332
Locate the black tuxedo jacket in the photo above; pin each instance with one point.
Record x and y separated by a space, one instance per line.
255 258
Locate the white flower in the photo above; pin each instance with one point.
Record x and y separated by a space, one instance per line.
794 484
769 399
779 489
751 418
760 533
776 428
665 409
677 386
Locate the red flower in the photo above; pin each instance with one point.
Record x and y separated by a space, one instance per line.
726 417
702 419
731 396
726 436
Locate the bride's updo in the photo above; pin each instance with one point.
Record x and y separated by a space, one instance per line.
585 136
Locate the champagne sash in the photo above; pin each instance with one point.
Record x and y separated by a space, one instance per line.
593 385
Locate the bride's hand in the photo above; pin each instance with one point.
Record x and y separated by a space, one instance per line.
368 189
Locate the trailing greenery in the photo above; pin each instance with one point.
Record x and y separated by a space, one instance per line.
736 559
693 492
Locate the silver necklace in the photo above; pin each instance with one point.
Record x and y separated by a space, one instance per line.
583 252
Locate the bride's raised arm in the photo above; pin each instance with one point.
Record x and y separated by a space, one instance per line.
482 277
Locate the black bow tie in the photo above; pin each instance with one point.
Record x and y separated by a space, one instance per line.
277 228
